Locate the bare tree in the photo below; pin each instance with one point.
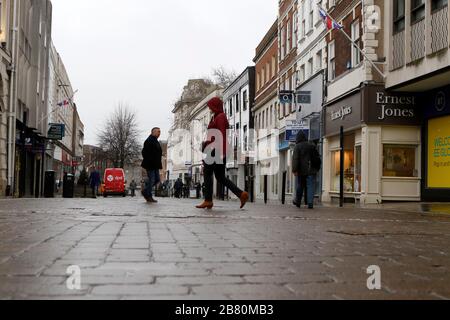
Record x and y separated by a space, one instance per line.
119 136
223 77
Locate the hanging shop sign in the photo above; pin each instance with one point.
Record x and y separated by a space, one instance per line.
293 127
286 97
56 131
304 97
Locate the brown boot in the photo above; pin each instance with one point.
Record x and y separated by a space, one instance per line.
244 199
206 205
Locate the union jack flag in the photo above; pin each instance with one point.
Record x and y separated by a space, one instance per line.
331 24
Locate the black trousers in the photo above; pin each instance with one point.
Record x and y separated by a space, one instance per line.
217 170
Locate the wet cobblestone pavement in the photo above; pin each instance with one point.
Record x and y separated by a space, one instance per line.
127 249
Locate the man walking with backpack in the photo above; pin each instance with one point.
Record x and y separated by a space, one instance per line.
306 164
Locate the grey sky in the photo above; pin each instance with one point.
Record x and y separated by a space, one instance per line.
142 52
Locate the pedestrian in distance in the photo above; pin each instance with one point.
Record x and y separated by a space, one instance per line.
198 189
152 163
94 181
306 163
212 167
133 186
178 188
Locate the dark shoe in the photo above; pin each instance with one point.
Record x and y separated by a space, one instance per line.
310 206
244 199
151 200
296 204
206 205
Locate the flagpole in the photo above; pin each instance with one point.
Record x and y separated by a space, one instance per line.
354 44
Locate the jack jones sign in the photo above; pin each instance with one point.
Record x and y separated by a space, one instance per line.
391 108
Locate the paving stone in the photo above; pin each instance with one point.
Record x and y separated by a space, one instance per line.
173 251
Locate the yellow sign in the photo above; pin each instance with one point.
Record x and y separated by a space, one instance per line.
439 153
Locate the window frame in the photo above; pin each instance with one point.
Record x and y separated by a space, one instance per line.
396 19
416 9
435 8
332 61
355 53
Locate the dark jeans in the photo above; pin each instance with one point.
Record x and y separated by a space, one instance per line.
153 180
94 191
217 170
309 188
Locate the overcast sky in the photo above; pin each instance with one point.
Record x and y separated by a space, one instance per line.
142 52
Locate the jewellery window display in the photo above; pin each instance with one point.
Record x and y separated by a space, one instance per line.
349 170
400 161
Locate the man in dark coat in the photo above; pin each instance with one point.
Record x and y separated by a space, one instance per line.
94 181
306 164
152 154
178 188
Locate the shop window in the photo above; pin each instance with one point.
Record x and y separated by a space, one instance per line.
349 170
400 161
358 169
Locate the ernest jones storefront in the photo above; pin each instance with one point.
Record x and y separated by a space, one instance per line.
382 146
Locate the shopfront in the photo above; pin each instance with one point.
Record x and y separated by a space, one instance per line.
382 146
436 158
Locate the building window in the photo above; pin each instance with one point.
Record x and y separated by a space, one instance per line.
274 66
311 15
302 74
356 54
310 68
303 28
417 10
245 101
331 61
231 107
303 19
319 60
283 43
399 15
268 72
438 4
263 77
237 103
245 138
289 36
295 29
263 119
400 161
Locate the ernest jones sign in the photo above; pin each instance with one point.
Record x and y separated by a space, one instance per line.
391 108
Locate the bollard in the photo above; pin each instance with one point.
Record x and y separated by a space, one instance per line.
265 189
283 188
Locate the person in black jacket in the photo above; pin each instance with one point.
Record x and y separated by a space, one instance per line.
306 163
152 162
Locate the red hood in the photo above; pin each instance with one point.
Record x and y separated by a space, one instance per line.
216 105
216 110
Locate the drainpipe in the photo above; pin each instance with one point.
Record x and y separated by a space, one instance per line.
12 102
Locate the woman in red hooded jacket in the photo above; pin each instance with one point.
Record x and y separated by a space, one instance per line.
218 125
